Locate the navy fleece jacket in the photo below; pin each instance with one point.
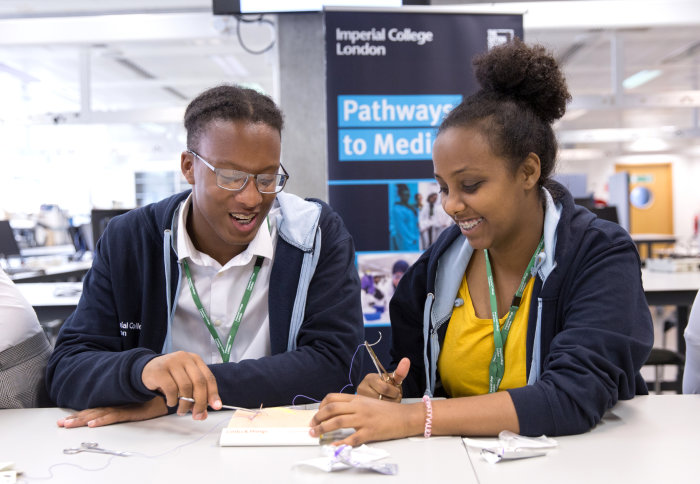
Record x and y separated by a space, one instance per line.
589 326
122 318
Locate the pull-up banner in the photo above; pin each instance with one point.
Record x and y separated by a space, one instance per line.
391 78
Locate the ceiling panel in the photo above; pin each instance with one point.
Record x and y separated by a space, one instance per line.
168 69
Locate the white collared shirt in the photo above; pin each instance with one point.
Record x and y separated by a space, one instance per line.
220 291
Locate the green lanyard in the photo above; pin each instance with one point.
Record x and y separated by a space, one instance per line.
225 351
497 365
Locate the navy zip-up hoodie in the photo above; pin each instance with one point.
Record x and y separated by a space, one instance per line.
589 326
123 316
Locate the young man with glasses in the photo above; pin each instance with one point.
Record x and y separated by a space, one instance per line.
233 293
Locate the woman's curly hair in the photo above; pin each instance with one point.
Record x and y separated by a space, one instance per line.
522 93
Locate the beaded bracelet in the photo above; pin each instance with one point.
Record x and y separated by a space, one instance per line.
428 416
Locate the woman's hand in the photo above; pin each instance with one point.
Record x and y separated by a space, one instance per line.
375 387
97 417
372 419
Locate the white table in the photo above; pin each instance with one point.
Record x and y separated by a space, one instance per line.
181 450
670 281
651 439
52 300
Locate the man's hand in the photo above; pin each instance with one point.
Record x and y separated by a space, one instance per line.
97 417
186 375
374 386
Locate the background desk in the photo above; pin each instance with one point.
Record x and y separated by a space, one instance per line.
53 302
676 289
650 439
48 250
66 271
181 450
646 241
672 288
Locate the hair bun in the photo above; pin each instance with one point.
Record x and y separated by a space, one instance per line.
526 74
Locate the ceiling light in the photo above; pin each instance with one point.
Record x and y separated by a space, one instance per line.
21 75
641 77
579 154
648 144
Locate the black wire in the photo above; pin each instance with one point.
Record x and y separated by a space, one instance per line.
242 18
259 19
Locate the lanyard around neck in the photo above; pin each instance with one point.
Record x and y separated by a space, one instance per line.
225 351
497 365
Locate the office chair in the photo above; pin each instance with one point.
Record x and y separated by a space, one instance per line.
660 357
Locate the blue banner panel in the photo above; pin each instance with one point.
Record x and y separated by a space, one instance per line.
391 78
358 203
394 111
385 144
393 70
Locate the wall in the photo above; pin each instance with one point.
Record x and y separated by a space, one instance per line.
302 81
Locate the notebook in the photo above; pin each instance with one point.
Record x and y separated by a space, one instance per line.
274 426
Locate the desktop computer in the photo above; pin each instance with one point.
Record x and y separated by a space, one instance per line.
9 249
606 213
99 218
8 243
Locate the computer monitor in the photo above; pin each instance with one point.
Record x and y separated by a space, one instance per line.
587 202
81 236
606 213
8 243
99 218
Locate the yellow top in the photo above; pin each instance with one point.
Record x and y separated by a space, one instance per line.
468 348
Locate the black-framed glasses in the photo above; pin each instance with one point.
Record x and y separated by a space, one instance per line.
236 180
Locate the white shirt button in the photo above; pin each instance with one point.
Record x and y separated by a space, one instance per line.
217 323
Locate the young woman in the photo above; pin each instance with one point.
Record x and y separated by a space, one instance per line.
529 312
